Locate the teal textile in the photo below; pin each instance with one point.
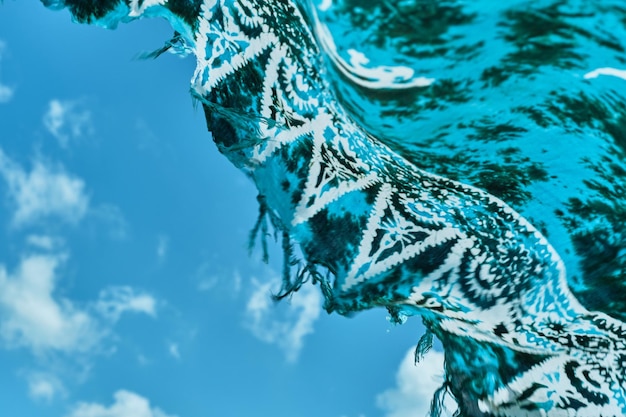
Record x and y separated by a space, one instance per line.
464 162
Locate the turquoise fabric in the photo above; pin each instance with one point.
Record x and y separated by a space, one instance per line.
464 162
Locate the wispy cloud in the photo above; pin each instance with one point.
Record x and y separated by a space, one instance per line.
114 301
6 92
237 281
44 242
67 120
126 404
46 191
206 276
44 386
111 217
162 247
173 350
284 324
146 139
415 387
33 317
207 283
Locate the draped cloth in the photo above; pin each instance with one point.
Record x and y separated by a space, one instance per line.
461 162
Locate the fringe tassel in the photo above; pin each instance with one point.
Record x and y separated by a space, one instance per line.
260 226
243 120
292 282
176 45
437 405
423 346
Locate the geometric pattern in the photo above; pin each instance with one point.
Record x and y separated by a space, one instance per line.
485 281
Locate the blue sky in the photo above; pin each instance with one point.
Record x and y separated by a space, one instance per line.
126 288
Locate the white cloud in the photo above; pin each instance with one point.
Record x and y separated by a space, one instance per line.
299 313
45 191
415 387
67 120
127 404
44 386
32 316
114 301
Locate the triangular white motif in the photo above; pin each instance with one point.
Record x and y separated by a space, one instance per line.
393 235
334 171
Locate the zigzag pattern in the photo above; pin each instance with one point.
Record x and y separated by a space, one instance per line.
481 270
391 234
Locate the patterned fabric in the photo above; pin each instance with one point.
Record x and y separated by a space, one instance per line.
377 228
